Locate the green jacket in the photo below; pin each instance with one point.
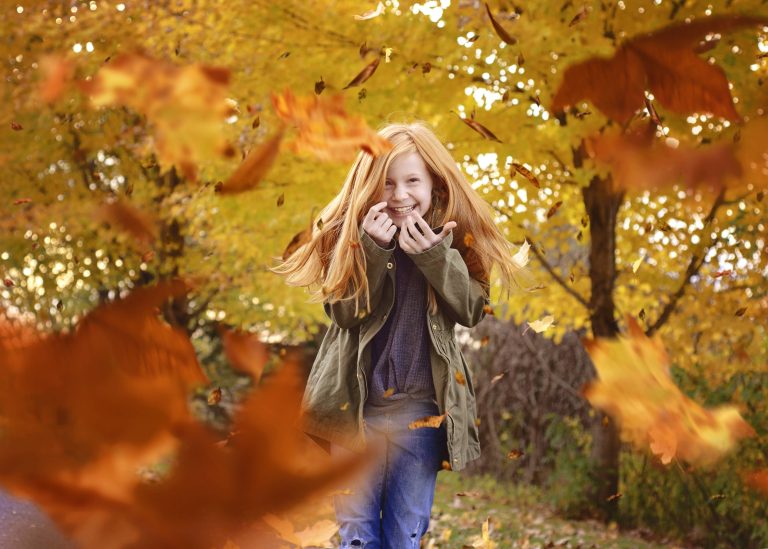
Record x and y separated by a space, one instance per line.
338 382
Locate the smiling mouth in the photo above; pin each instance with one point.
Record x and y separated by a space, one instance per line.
404 210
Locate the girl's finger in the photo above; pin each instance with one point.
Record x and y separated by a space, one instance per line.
429 235
421 240
391 231
447 228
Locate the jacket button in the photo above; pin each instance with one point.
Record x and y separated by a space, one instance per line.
434 326
390 265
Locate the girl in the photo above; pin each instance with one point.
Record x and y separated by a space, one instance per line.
394 287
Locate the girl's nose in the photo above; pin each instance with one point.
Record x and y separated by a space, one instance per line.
400 193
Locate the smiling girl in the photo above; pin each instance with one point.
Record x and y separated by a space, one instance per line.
394 281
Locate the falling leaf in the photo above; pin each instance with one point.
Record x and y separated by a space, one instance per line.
281 200
639 164
484 341
19 201
614 496
244 351
520 259
479 128
652 112
388 393
525 172
553 210
460 379
500 31
635 387
498 377
469 240
428 421
344 407
319 86
364 75
542 324
16 126
254 167
185 106
487 309
514 454
370 14
214 397
663 61
256 122
757 480
637 263
141 226
387 55
580 16
325 129
57 76
318 534
741 311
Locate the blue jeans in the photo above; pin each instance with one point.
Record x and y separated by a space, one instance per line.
392 500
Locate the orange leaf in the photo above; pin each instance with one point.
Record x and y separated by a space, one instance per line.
663 61
130 219
428 421
325 129
254 167
635 388
245 352
638 164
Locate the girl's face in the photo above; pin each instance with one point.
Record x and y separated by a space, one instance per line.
408 188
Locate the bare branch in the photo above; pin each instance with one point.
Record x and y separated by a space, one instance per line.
693 268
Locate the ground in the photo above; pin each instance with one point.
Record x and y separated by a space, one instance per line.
518 519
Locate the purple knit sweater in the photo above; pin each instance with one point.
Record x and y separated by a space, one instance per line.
400 350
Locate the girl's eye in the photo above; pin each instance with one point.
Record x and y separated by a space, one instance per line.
414 179
387 183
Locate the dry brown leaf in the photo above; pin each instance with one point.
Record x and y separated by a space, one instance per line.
254 167
365 74
525 172
501 32
479 128
663 61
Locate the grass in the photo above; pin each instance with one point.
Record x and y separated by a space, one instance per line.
518 518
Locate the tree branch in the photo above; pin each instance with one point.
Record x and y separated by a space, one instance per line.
557 277
693 268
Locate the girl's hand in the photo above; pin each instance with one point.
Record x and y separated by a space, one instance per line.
413 242
378 225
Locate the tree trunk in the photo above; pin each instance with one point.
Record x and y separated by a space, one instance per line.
602 203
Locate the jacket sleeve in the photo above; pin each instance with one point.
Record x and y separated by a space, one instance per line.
342 313
446 272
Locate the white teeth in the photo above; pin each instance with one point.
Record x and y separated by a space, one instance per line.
403 210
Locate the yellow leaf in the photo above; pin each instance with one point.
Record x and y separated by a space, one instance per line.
542 324
636 389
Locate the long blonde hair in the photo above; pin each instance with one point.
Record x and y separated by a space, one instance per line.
332 264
